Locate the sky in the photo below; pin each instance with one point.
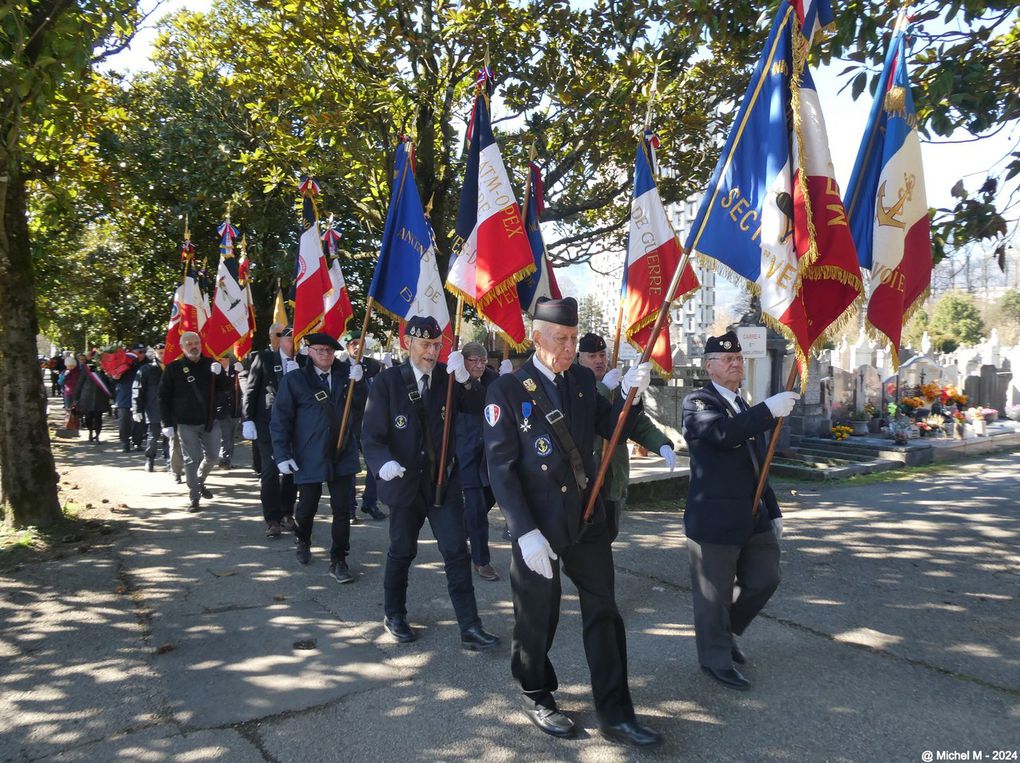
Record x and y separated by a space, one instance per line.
944 163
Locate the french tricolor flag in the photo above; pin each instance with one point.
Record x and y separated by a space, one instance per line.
653 255
492 248
187 312
814 16
228 321
541 283
886 201
338 309
312 284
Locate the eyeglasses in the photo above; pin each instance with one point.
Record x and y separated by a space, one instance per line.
321 350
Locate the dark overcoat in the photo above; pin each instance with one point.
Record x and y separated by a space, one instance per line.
303 430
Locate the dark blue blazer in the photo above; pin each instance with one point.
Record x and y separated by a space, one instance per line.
529 472
301 430
724 474
391 432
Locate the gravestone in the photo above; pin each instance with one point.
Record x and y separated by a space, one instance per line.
991 392
972 389
842 394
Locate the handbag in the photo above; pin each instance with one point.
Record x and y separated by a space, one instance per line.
72 422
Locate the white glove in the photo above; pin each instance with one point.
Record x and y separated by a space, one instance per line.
216 368
249 431
669 456
780 405
287 467
239 366
777 527
638 377
391 470
537 552
357 372
387 360
289 365
506 367
303 351
342 355
168 433
612 378
455 366
138 417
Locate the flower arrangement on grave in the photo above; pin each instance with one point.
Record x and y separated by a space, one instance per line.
871 409
911 404
932 425
950 394
959 417
1013 412
931 391
840 432
979 413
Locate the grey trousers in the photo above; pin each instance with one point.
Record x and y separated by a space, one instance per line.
199 449
715 570
228 427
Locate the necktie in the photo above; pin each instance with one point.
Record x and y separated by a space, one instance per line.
561 390
741 405
325 379
425 388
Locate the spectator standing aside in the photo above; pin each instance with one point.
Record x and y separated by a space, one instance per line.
370 495
305 428
402 436
73 366
591 353
540 427
187 398
728 541
268 367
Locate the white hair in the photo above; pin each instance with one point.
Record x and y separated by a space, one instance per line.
188 335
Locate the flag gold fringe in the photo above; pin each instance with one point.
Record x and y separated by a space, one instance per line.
650 319
800 51
875 333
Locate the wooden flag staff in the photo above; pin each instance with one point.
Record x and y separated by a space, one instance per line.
350 387
760 490
444 446
610 448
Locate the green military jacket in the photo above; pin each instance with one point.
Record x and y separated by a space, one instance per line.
645 434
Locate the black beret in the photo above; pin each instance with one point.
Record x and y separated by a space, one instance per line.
728 342
562 312
423 327
325 339
591 343
286 332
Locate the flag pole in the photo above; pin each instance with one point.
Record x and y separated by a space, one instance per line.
610 447
444 447
350 387
771 452
619 330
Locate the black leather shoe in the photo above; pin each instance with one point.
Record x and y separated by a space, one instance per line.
552 722
400 630
354 519
374 512
303 553
730 678
631 733
150 465
476 638
206 492
193 507
738 655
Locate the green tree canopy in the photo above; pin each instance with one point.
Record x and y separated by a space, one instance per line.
955 321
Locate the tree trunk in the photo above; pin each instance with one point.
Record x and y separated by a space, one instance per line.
28 476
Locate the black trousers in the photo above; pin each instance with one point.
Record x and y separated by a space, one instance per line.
307 506
477 502
94 422
589 564
447 524
715 569
154 440
276 491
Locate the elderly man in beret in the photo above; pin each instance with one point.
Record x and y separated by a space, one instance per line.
729 541
402 436
591 353
305 427
540 427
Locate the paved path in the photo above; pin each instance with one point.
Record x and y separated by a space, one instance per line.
896 630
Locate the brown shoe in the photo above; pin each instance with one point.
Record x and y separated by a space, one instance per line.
487 572
274 530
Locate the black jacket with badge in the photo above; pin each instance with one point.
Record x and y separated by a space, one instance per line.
263 382
530 473
303 429
145 395
391 431
724 470
184 391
